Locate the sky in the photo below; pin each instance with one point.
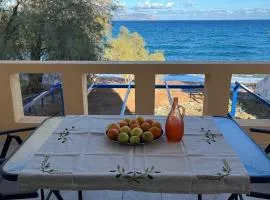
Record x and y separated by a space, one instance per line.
193 9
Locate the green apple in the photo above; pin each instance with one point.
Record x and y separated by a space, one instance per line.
136 132
148 136
140 119
125 129
123 137
127 120
134 140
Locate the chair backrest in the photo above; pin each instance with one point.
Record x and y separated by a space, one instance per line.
9 189
260 190
7 143
10 135
267 150
264 131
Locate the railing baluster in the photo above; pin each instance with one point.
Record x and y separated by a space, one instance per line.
217 94
144 93
75 93
10 101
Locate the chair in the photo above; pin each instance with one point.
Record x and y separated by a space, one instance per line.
264 131
10 189
260 190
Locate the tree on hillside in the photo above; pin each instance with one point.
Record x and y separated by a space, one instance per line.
130 47
53 30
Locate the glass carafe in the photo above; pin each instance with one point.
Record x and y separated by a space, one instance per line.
175 122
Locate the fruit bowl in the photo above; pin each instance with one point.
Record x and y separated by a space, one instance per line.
132 144
134 131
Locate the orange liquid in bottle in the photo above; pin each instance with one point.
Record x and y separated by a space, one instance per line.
175 124
174 129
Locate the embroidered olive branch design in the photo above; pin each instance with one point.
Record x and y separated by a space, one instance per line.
64 135
226 171
46 166
135 176
209 136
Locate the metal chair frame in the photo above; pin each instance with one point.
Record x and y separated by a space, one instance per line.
9 137
253 193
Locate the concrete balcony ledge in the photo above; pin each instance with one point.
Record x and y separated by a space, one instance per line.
216 94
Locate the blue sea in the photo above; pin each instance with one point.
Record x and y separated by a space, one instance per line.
220 41
204 40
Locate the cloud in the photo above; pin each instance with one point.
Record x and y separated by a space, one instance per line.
230 14
169 5
155 5
135 16
221 12
255 11
187 9
188 3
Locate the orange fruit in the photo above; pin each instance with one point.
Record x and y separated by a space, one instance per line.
150 121
156 124
145 126
134 121
156 131
113 126
134 126
113 134
122 123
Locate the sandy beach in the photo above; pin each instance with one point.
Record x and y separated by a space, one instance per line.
110 101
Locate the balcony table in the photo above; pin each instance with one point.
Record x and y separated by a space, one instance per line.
191 169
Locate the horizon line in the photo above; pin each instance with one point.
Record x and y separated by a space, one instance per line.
191 19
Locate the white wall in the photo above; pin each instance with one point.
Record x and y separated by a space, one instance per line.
263 88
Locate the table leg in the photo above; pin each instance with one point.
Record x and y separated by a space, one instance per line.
199 196
241 197
80 196
233 197
49 195
58 195
42 196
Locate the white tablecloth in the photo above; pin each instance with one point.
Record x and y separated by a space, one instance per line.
87 160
